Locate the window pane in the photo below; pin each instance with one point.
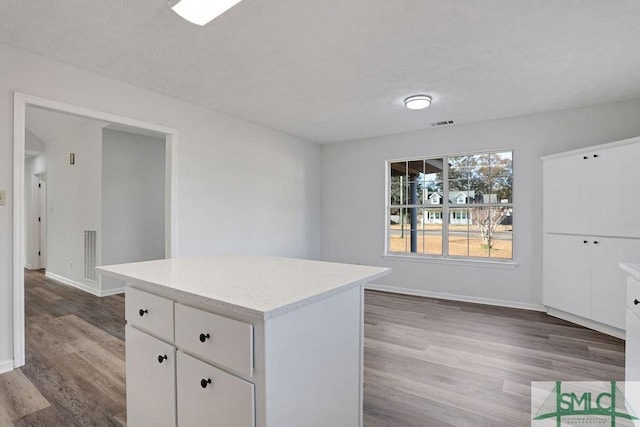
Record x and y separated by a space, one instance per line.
397 230
430 239
459 168
492 231
459 232
398 183
502 176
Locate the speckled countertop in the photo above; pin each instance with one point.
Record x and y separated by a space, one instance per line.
258 286
632 269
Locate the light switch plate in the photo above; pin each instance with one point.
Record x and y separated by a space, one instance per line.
3 197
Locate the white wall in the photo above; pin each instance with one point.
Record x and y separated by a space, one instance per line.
73 198
241 187
353 202
133 198
32 165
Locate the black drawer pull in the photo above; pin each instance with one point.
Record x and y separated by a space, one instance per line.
204 337
636 302
595 155
585 157
595 242
143 312
585 241
204 383
162 358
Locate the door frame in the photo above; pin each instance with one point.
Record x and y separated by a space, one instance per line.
20 103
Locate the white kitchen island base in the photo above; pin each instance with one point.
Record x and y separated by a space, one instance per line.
244 357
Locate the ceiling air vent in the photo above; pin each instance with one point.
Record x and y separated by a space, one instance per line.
442 123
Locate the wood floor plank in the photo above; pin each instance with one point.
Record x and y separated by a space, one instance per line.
19 397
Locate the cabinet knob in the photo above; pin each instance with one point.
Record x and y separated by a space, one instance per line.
585 241
204 383
595 242
636 302
595 155
143 312
162 358
585 157
204 337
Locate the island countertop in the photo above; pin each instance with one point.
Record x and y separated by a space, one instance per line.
258 286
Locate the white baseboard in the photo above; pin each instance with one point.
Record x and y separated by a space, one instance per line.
6 366
93 290
28 267
587 323
454 297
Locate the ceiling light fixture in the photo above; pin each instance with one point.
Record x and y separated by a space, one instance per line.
417 102
201 12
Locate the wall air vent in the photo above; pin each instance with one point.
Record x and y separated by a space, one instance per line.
442 123
90 241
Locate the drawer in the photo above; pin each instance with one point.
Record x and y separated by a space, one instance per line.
633 295
221 340
208 396
149 312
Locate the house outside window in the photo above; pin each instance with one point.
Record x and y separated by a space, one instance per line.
455 206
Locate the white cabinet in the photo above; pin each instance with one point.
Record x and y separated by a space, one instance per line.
566 194
593 191
165 386
301 368
151 387
582 276
280 339
567 274
632 347
218 339
210 396
590 221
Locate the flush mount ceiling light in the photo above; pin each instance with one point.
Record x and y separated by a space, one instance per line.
417 102
201 12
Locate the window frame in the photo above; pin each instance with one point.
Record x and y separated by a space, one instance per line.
446 206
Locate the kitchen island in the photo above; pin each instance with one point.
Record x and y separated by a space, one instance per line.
244 341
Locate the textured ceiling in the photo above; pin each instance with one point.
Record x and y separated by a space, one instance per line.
335 70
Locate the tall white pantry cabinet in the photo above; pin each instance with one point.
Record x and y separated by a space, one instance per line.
591 222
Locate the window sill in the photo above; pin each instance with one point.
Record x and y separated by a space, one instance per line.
507 264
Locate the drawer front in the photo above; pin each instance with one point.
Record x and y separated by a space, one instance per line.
151 384
208 396
221 340
633 295
149 312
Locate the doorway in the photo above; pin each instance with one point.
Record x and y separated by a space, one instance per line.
21 102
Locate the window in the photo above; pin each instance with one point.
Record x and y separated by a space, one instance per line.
452 206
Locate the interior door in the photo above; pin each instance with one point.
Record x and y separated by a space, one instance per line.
41 232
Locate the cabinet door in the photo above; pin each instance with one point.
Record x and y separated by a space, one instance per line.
613 195
608 280
151 386
567 195
632 350
632 363
567 274
208 396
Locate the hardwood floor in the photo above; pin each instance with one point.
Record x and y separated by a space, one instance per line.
427 362
74 373
431 362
